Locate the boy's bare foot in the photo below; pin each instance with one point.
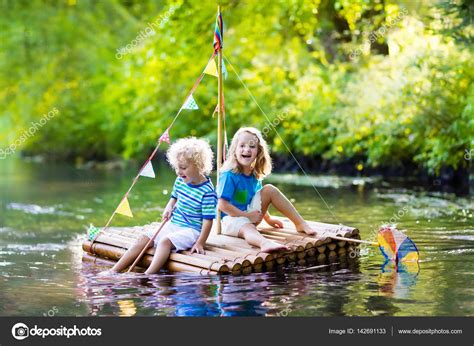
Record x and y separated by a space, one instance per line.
272 246
305 228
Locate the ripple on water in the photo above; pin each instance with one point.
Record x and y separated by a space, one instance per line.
5 263
459 237
421 205
35 247
37 209
324 181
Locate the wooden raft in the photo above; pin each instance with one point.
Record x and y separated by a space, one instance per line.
225 254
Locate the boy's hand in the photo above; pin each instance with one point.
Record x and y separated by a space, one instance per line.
167 214
198 248
255 216
275 223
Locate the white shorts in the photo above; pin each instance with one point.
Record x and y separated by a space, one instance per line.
183 238
231 225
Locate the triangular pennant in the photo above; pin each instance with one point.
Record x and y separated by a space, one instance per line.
124 208
190 103
148 171
92 232
165 137
211 68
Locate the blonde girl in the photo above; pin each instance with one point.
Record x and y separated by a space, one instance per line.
242 198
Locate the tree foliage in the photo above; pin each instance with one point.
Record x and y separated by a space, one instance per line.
382 81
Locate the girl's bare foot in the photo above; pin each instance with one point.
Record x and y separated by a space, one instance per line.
305 228
271 246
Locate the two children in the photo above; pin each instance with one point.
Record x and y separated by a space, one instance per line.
242 198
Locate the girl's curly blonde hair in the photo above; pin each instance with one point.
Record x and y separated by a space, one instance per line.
263 163
191 149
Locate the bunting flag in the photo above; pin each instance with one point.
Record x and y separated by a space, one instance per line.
124 208
211 68
190 103
92 232
219 33
165 137
148 171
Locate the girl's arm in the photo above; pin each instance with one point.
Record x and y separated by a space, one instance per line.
228 208
205 230
169 208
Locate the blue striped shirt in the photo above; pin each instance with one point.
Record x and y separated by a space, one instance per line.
194 203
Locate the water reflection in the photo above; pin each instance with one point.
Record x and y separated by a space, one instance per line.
398 279
44 210
285 292
172 295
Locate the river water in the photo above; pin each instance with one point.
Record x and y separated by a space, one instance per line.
46 208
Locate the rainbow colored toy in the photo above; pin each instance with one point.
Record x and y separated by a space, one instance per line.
396 246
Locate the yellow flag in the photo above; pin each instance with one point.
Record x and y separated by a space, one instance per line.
211 68
124 208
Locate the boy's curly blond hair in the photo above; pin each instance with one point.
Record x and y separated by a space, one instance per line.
191 149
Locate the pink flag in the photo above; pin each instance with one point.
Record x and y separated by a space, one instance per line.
165 137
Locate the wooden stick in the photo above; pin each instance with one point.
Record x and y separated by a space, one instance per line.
252 258
321 249
306 242
220 98
146 260
355 240
268 259
316 267
233 265
177 257
321 238
319 227
241 245
321 257
337 237
152 239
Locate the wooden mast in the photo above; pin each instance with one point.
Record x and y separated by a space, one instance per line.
220 88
